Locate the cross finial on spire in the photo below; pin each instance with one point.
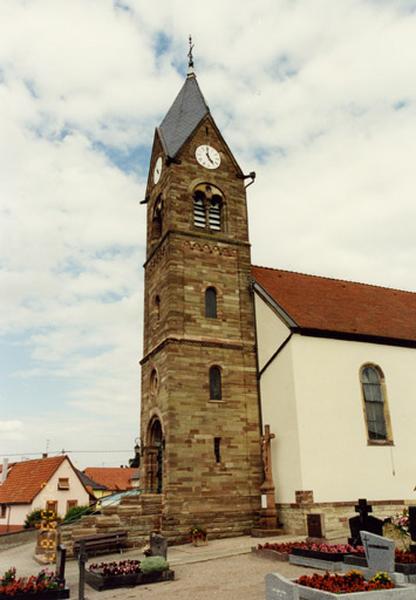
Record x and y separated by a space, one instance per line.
190 57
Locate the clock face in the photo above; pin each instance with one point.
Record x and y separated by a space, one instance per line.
208 157
157 171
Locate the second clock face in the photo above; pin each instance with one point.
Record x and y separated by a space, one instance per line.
208 157
157 171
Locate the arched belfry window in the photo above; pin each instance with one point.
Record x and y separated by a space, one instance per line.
157 218
211 303
199 209
208 207
215 391
375 403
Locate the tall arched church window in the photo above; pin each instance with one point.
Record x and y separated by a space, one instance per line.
375 403
215 391
208 207
211 303
157 218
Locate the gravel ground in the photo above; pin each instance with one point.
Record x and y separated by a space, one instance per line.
234 578
238 577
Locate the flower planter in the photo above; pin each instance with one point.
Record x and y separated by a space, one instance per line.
199 541
271 554
330 556
104 582
397 593
45 595
278 587
360 561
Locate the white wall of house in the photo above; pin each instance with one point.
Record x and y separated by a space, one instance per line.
51 492
311 397
15 514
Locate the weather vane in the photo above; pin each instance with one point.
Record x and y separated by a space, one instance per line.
190 56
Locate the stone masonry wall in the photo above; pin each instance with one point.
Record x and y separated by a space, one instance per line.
181 344
336 515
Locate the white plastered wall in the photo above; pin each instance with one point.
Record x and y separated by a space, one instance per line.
50 490
336 461
278 401
271 331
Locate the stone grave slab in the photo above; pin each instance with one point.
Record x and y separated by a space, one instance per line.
280 588
314 563
158 545
379 552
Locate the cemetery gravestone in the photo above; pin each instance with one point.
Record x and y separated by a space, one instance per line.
158 545
412 526
315 526
280 588
379 552
363 522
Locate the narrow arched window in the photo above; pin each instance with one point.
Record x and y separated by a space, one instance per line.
157 308
157 219
374 401
214 213
199 209
211 303
215 392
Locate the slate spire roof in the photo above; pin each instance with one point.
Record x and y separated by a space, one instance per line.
185 114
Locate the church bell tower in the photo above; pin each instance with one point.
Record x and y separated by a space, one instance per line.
200 425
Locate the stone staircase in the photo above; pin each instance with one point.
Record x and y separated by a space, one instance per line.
139 515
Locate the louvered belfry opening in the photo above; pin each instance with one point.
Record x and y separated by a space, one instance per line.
208 203
199 209
214 213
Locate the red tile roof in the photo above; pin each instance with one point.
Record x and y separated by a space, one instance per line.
115 479
26 479
342 307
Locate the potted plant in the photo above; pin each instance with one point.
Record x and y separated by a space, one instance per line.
199 536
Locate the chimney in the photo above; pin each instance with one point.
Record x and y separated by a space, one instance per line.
4 470
44 455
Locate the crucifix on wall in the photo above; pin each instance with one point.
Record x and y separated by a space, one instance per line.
268 513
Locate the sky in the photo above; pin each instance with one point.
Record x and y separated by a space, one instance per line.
318 97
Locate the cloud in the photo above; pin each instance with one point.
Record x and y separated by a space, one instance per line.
11 430
318 98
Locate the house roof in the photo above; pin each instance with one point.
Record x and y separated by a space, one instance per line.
114 478
186 112
27 478
89 483
350 309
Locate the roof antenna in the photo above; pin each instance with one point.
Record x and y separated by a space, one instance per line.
190 57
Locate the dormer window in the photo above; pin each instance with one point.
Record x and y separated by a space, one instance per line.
208 205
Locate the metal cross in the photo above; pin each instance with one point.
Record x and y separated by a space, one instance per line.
190 56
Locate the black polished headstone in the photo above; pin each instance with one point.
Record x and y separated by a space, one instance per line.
412 527
363 521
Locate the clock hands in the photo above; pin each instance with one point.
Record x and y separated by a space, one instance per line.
208 157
